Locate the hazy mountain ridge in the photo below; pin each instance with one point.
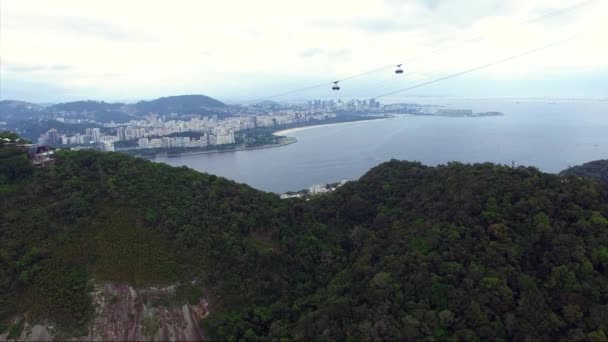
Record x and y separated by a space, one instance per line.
407 252
14 111
80 106
183 104
5 104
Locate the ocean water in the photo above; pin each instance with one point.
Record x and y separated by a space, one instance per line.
550 135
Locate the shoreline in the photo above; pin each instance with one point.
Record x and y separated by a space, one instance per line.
303 128
284 143
289 141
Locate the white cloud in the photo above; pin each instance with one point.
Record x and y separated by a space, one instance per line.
127 49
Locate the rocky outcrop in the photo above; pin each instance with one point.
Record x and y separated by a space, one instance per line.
36 332
123 313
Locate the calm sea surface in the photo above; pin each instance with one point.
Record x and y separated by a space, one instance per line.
549 136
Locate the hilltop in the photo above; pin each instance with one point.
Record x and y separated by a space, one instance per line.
80 106
466 252
184 104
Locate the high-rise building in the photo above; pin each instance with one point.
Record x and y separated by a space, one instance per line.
204 141
44 138
53 137
96 134
211 139
226 138
121 133
166 142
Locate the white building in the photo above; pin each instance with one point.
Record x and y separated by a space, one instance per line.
142 142
166 142
223 139
106 146
212 139
121 133
94 133
318 189
155 143
286 196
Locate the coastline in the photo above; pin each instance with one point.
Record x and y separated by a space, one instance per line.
288 140
283 143
303 128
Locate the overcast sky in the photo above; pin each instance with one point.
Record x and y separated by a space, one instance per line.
237 50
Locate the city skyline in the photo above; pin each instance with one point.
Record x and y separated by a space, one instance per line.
154 131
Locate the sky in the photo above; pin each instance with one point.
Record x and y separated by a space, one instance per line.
243 50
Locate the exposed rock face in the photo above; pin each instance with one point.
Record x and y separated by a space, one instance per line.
123 313
35 332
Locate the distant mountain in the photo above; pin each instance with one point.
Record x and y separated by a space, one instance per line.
15 104
98 111
596 170
12 111
112 115
183 104
90 106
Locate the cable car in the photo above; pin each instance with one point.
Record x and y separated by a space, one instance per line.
399 70
335 86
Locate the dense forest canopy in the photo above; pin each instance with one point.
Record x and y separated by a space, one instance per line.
458 252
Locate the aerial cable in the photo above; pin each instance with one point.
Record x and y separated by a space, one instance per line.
432 53
522 54
557 12
470 41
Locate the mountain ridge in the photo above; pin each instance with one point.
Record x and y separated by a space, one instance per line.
14 111
181 104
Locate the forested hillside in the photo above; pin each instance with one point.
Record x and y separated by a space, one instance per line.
596 170
469 252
